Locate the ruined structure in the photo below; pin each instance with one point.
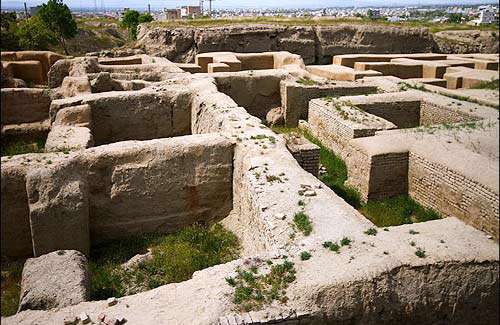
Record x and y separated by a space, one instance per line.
139 144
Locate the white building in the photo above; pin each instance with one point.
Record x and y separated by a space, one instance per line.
486 17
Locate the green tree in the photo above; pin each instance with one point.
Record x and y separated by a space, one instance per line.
9 39
33 34
145 18
455 18
58 19
131 19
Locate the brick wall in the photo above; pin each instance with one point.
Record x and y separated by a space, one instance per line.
431 113
305 152
452 194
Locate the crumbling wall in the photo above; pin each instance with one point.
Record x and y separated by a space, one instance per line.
158 185
257 91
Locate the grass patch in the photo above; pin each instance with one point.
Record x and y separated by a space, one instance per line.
253 289
306 81
397 211
22 147
11 287
302 222
493 84
175 258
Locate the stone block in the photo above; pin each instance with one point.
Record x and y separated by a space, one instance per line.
64 137
58 207
54 280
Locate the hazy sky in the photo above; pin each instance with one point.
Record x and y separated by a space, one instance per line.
244 3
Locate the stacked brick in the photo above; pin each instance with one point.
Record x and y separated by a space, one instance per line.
305 152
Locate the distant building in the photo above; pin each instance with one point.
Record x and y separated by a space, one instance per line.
190 11
34 10
183 12
486 16
374 13
170 14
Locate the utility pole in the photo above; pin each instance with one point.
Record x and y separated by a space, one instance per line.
201 7
210 8
149 8
26 10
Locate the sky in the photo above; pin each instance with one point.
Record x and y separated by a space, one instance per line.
156 4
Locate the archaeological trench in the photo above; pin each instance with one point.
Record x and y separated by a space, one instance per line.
139 144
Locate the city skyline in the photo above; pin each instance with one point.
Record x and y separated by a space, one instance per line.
216 4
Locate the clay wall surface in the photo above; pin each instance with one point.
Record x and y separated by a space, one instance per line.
134 115
452 194
258 91
136 187
295 97
113 191
24 105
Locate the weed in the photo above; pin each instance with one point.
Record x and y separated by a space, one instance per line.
273 178
304 256
412 243
302 222
420 253
60 253
231 281
22 147
252 292
493 84
301 203
413 232
11 287
345 241
371 232
306 81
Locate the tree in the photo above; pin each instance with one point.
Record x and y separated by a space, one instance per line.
58 19
145 18
33 34
455 18
131 19
9 40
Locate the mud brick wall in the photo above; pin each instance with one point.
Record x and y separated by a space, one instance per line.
388 175
452 194
431 113
331 130
404 114
307 155
295 97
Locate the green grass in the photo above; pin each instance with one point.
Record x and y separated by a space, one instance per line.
302 222
11 287
397 211
252 290
336 174
390 212
175 258
493 84
306 81
22 147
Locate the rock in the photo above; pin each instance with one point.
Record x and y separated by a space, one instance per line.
70 320
84 318
103 82
57 279
58 207
112 301
275 116
138 260
310 193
